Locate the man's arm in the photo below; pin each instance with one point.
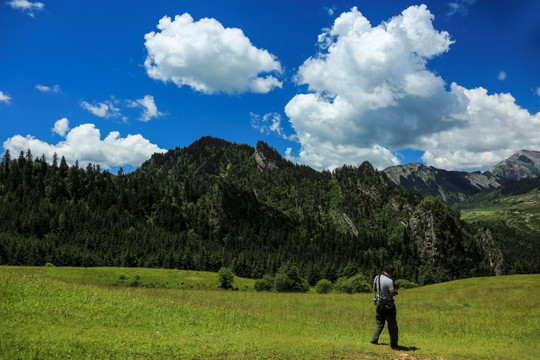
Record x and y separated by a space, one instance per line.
393 289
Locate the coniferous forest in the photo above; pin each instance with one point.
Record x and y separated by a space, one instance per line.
215 203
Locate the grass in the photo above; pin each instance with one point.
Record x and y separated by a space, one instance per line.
519 211
91 313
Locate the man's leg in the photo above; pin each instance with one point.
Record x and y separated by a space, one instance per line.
392 327
379 318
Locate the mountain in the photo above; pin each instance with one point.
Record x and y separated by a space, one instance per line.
215 203
524 164
452 187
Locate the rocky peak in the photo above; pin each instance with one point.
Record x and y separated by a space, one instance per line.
525 164
449 186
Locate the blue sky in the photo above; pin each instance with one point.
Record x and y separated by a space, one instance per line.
453 84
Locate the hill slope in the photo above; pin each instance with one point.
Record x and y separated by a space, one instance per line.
517 203
70 313
215 204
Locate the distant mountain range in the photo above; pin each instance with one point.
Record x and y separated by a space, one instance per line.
454 187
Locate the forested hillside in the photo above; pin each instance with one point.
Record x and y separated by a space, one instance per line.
216 204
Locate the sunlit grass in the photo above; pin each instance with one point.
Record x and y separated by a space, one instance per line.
77 313
521 211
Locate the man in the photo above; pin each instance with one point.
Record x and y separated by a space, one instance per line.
386 308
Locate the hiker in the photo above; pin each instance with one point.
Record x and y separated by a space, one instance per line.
386 308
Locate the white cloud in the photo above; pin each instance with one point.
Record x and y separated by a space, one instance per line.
208 57
104 109
45 88
84 143
538 91
494 128
4 97
501 76
149 107
371 95
61 127
27 6
370 89
459 7
269 123
115 108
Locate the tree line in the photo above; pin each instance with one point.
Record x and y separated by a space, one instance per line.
212 205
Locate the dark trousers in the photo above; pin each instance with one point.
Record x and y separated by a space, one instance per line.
382 316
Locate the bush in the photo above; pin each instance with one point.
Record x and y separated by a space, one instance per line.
225 278
352 285
342 285
49 265
288 279
405 284
359 284
283 283
323 286
264 284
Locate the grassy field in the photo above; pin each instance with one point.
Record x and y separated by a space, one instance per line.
117 313
519 211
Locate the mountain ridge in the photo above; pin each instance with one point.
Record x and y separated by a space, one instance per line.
215 203
454 187
524 164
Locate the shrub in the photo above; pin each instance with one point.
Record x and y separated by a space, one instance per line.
359 284
405 284
49 265
288 279
264 284
283 283
225 278
352 285
342 285
323 286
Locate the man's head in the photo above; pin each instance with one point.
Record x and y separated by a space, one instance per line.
389 269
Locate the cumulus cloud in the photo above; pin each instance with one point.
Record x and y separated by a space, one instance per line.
84 143
30 7
494 128
45 88
61 127
4 98
370 89
371 95
269 124
104 109
148 105
208 57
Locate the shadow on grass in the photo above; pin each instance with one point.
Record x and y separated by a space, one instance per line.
401 348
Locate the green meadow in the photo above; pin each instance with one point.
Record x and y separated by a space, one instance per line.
519 211
121 313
